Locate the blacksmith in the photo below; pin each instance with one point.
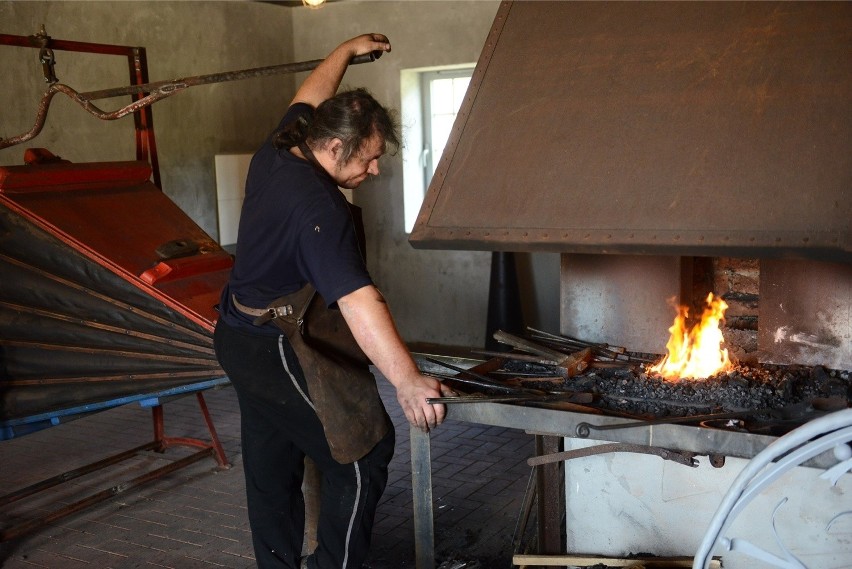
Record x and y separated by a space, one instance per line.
296 231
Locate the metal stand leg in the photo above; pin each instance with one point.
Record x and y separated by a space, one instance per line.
421 485
166 441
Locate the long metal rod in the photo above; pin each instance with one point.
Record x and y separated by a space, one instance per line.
72 474
28 526
684 458
157 91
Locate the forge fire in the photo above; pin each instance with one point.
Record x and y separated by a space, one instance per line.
696 352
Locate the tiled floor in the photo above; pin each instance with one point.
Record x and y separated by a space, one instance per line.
196 516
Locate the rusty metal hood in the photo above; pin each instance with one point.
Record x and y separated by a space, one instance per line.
653 128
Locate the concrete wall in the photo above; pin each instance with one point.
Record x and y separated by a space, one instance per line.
436 296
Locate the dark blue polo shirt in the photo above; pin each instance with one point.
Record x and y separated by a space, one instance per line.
295 228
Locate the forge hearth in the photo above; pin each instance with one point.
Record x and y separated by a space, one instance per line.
751 397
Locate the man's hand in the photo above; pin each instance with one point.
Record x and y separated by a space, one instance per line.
412 394
366 43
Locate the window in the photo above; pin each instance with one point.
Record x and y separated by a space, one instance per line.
431 101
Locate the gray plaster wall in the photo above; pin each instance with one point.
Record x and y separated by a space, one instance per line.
436 297
182 39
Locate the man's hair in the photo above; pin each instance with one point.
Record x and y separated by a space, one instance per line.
351 116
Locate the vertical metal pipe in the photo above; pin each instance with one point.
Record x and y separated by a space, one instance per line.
504 300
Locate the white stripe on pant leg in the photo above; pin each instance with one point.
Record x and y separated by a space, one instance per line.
287 369
354 512
355 464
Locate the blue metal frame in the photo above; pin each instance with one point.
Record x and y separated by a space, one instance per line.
25 425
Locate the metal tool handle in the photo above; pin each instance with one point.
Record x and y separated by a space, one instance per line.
366 58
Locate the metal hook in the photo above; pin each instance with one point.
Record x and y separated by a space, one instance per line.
48 60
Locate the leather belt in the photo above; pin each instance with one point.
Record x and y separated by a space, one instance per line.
262 315
248 310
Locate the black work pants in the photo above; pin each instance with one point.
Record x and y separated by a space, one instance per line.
279 428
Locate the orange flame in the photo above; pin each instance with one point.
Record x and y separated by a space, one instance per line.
697 353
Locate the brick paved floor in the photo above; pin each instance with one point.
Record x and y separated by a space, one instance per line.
196 517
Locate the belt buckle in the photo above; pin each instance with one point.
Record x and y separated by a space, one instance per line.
274 312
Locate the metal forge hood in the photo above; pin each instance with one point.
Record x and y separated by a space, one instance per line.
673 128
106 288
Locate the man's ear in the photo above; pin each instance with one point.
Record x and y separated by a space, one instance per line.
335 148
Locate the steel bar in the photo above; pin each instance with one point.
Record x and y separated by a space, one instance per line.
685 458
221 77
479 376
517 357
28 526
72 474
156 91
484 381
473 382
576 342
481 399
615 353
528 346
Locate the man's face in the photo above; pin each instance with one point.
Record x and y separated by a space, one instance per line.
363 163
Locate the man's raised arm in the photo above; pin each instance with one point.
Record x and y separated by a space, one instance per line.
324 80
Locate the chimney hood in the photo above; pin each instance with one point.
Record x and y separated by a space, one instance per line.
683 128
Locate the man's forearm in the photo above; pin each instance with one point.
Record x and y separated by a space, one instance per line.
370 321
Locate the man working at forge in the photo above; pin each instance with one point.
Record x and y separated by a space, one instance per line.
297 234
